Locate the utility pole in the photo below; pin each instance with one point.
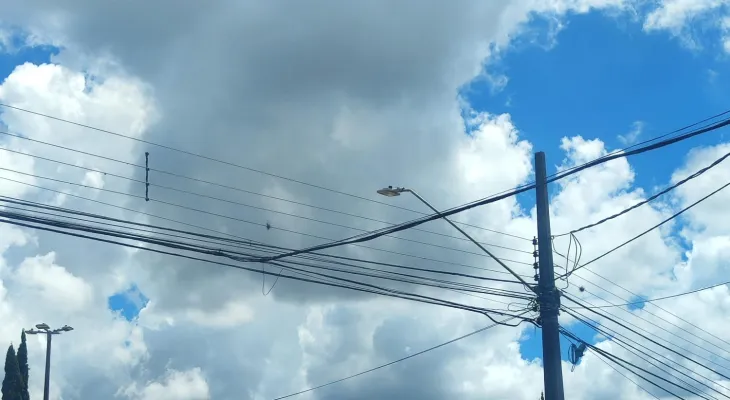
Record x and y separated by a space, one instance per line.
547 295
45 329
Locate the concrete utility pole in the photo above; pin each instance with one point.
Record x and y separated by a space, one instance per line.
547 295
45 329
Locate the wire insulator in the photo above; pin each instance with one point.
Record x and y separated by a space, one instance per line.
147 176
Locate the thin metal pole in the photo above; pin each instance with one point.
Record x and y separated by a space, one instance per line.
548 296
517 276
46 386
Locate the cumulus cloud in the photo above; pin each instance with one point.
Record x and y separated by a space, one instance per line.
175 385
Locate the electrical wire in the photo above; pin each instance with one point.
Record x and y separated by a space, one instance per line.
673 216
392 276
407 225
647 338
322 259
198 210
670 322
238 203
639 316
236 252
392 362
628 302
599 357
623 363
363 287
616 338
651 198
427 218
669 343
237 166
241 240
633 303
228 241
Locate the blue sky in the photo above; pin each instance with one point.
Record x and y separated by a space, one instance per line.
597 81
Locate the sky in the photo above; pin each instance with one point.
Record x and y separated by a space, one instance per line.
320 104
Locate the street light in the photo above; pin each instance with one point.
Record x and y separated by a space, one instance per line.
390 191
46 330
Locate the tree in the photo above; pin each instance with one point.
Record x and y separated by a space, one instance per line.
23 365
12 388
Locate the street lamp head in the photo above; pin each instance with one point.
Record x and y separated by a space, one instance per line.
43 326
67 328
390 191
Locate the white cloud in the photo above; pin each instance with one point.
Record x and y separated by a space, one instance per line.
633 135
175 385
674 15
94 179
54 284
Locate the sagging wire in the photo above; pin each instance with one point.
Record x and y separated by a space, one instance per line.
532 305
263 280
578 253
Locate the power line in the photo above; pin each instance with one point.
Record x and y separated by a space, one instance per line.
628 302
706 359
647 338
420 221
261 208
348 285
649 312
641 203
228 163
207 182
398 277
573 170
392 362
665 297
407 225
691 334
234 218
654 139
625 377
623 363
616 338
227 242
675 215
218 240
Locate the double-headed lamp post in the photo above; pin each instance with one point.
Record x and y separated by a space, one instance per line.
44 329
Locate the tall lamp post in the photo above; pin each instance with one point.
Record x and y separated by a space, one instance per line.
547 296
44 329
